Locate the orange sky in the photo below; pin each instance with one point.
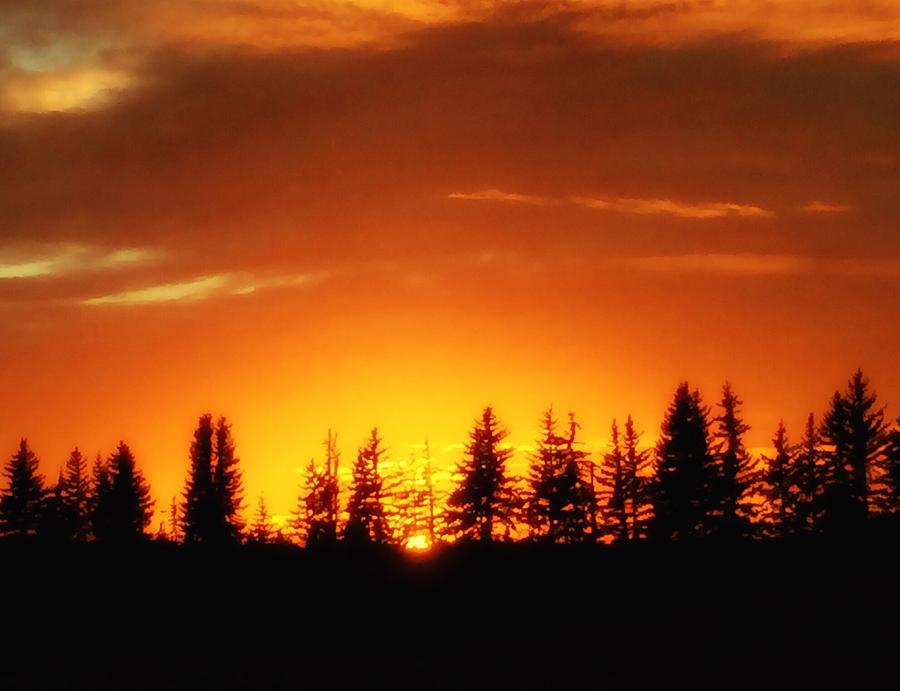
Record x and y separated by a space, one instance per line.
314 214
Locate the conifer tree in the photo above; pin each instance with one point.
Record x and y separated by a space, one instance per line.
316 517
735 471
262 530
366 518
612 489
889 497
55 523
684 469
560 502
227 484
76 495
201 511
807 477
483 504
638 483
124 504
780 488
22 500
856 433
174 521
99 488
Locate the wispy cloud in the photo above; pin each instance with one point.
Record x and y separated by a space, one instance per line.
825 208
667 207
628 205
201 288
59 260
753 264
494 195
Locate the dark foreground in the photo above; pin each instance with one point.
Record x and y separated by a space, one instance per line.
801 614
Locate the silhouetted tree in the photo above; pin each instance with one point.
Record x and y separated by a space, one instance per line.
637 483
124 506
366 518
55 522
227 483
316 517
780 489
484 500
201 513
175 533
99 488
807 472
261 531
76 496
560 502
22 501
856 433
888 499
684 469
612 489
729 513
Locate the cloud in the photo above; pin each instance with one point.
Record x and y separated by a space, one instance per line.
753 264
667 207
825 208
61 91
58 260
201 288
498 196
641 206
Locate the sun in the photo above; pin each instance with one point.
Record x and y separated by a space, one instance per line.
418 543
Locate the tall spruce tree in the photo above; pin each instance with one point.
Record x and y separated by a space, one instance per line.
56 524
613 488
99 488
261 530
124 504
638 483
483 505
76 495
22 501
227 484
856 434
807 477
316 517
889 497
560 500
780 489
735 472
685 469
366 517
201 512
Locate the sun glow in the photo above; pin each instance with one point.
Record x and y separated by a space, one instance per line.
418 543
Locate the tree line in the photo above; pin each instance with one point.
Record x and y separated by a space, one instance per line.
699 481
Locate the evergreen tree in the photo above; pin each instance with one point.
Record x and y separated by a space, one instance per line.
612 489
889 497
807 472
22 501
227 483
637 483
55 522
174 521
262 530
76 495
684 469
734 471
201 511
560 502
366 518
856 433
99 511
780 488
123 504
484 501
316 518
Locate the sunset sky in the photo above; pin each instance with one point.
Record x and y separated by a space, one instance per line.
318 214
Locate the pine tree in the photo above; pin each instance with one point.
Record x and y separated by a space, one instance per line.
174 521
735 471
261 531
612 489
780 488
124 504
316 517
227 483
889 497
76 496
22 501
483 504
684 469
561 501
99 511
201 512
637 483
807 477
366 518
856 433
55 523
